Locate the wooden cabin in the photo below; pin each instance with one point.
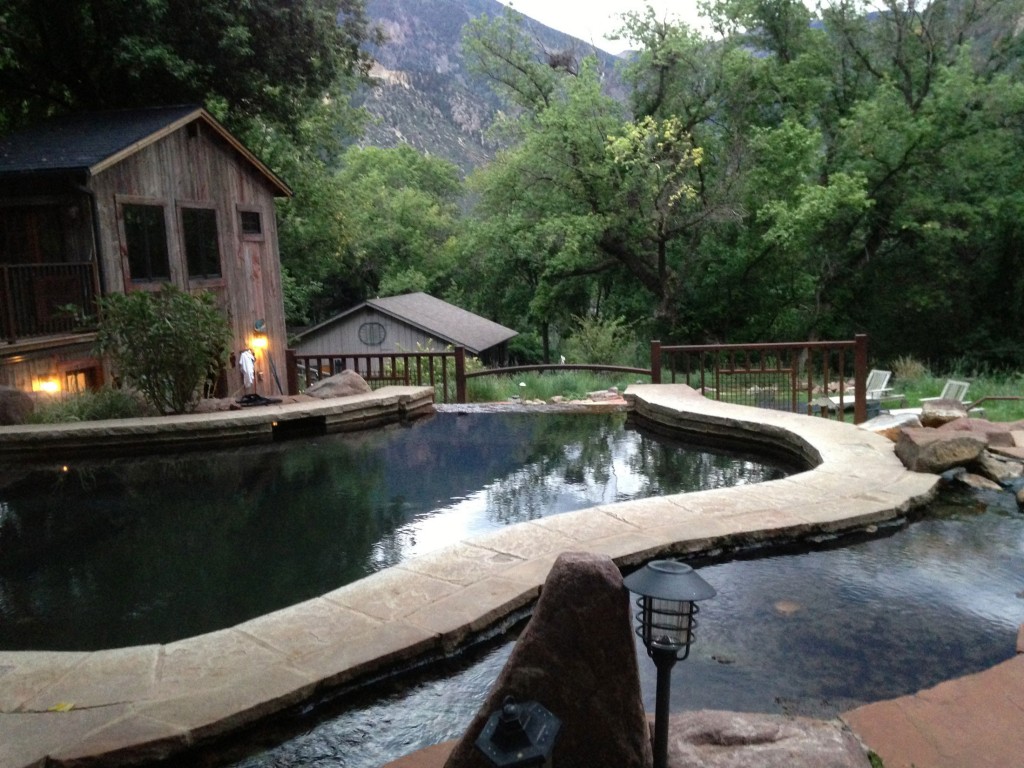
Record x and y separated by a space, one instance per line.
131 200
411 322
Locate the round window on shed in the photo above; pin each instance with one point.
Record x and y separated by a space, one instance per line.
372 334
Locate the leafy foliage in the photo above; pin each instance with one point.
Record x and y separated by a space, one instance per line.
595 340
166 345
789 178
105 403
62 55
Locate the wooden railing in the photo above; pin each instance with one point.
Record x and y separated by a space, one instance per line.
821 378
824 378
444 371
45 299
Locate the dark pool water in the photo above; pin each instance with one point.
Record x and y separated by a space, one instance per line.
814 633
104 554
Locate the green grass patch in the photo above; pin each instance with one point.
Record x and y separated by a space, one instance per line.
572 385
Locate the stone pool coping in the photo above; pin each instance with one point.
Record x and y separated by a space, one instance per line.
144 703
257 424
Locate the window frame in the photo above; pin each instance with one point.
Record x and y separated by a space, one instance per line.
203 279
124 201
255 237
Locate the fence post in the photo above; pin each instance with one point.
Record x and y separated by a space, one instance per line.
460 374
860 378
655 362
291 371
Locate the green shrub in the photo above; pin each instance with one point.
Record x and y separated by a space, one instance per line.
909 369
600 341
166 345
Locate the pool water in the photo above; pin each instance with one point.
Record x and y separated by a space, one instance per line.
104 554
813 633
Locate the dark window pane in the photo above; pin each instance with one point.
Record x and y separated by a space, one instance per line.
146 237
201 252
252 224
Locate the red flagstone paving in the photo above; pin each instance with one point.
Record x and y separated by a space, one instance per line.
975 721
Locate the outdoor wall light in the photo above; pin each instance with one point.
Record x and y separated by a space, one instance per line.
668 591
48 384
519 735
259 341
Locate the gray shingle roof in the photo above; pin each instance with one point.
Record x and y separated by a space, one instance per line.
90 141
79 142
443 321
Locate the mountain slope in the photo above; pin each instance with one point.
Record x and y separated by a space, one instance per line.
425 97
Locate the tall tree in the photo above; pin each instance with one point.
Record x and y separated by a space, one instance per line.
260 58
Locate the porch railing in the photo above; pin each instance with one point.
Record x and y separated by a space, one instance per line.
821 378
45 299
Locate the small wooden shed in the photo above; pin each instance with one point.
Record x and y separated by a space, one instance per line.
131 200
408 323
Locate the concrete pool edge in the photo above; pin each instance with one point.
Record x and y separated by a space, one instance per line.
145 703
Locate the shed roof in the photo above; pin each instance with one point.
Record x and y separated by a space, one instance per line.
443 321
90 142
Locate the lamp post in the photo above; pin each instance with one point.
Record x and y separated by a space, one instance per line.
519 735
668 591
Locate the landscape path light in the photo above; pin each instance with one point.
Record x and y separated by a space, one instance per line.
519 735
668 593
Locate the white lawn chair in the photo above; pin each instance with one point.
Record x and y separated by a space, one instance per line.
876 388
953 390
957 392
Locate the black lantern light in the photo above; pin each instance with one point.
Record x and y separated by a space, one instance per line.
519 735
668 591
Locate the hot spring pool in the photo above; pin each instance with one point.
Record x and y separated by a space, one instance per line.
105 554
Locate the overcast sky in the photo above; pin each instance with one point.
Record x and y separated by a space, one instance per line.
591 20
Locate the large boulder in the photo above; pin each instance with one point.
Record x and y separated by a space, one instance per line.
577 658
15 406
342 384
935 451
998 433
935 413
999 469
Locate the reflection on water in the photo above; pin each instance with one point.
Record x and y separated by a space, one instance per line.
145 550
811 634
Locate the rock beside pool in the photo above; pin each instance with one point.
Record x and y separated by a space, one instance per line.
930 450
714 739
342 384
15 406
576 658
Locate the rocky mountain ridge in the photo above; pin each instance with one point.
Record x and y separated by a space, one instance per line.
424 96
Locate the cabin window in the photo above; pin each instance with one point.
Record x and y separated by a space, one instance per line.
251 223
372 334
145 234
199 230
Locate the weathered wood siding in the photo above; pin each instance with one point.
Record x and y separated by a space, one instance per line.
194 167
343 336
